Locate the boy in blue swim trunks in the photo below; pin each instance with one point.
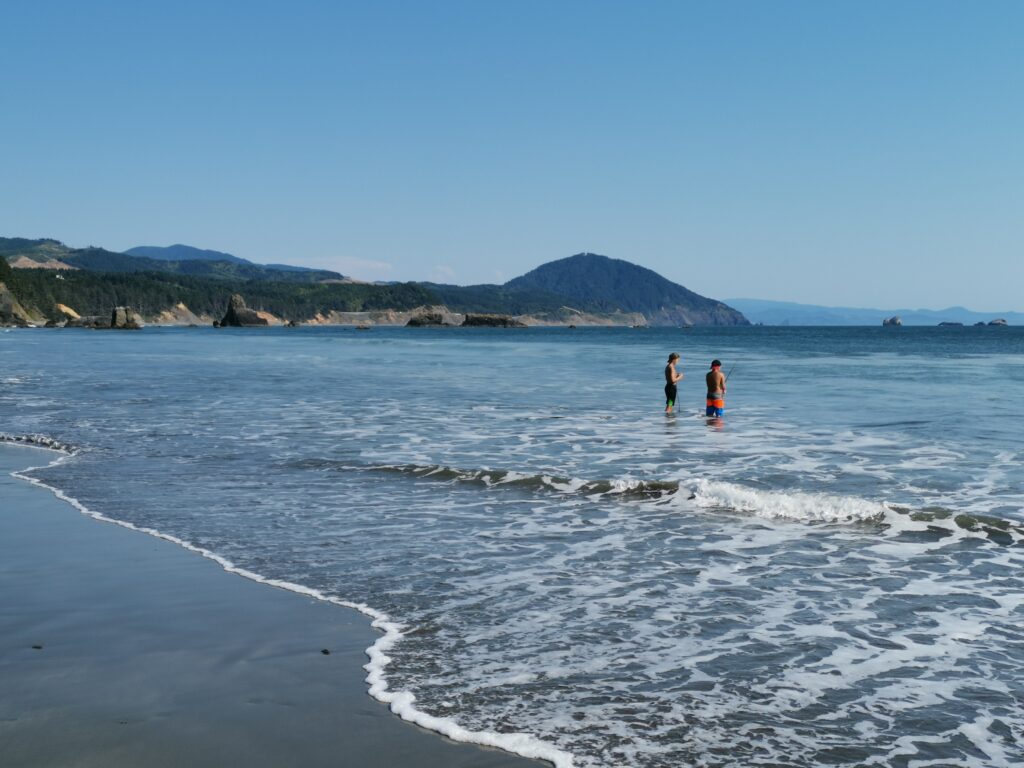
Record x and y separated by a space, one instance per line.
716 390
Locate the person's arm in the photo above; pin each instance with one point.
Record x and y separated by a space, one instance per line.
676 376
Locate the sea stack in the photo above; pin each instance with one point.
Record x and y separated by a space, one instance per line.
240 316
491 321
126 319
894 320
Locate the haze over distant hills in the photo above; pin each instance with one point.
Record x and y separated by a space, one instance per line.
791 313
179 252
177 259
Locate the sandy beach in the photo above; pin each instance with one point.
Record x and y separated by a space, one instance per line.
119 649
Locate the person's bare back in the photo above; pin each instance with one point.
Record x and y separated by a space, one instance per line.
716 384
716 390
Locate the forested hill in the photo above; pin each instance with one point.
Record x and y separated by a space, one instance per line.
613 284
194 261
91 280
179 252
150 293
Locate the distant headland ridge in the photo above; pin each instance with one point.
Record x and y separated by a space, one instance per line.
45 282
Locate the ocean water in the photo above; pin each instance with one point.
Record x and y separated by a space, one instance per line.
833 575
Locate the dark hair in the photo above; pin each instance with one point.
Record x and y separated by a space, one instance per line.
715 362
673 356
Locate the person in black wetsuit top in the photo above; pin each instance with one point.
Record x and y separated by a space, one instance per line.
672 377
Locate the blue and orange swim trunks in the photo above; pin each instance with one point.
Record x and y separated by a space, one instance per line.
715 407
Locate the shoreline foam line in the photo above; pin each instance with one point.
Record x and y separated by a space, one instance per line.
401 703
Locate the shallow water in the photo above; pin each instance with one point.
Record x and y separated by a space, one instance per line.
830 576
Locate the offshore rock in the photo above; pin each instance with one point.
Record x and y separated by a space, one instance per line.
428 317
999 321
491 321
126 318
89 321
240 316
894 320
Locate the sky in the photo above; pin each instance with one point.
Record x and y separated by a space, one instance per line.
840 153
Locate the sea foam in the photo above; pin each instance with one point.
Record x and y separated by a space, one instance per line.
401 703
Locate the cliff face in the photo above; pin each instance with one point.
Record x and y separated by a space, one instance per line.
719 314
11 311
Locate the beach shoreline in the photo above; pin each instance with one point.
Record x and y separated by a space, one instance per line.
120 649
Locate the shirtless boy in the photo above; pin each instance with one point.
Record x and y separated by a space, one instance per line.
716 390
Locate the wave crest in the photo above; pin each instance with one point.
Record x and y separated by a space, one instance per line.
38 441
795 506
805 507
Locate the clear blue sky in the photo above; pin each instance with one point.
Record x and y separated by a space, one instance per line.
858 153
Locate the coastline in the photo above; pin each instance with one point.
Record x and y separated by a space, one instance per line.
149 655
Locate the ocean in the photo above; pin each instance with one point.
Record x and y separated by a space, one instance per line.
832 575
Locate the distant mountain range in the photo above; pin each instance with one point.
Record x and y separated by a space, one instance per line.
583 288
176 259
790 313
179 252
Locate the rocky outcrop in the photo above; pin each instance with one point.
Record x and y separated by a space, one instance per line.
950 324
491 321
998 321
126 319
240 316
425 319
894 320
436 317
92 321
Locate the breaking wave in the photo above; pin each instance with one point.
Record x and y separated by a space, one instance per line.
795 506
38 441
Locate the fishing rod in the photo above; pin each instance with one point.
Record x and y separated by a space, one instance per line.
733 368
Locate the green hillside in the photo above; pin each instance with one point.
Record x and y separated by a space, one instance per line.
179 252
498 299
101 279
607 285
39 250
101 260
93 293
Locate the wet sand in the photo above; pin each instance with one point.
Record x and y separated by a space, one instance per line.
149 655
